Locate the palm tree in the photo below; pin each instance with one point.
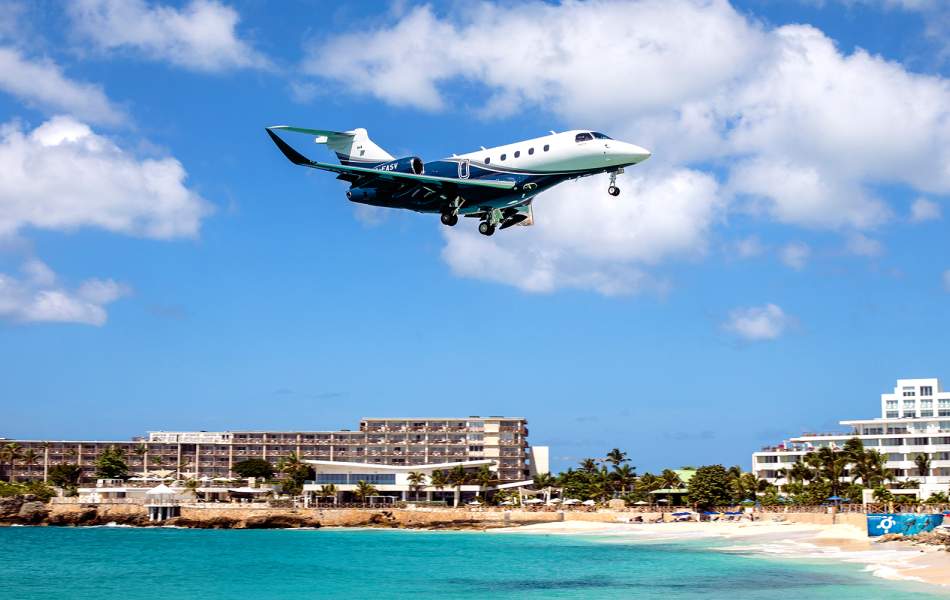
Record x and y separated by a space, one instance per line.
438 480
545 481
364 490
183 463
669 479
800 472
870 468
192 486
457 478
29 459
416 479
625 476
141 451
922 462
484 477
328 490
589 465
11 453
617 457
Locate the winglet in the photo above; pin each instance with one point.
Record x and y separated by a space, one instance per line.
294 156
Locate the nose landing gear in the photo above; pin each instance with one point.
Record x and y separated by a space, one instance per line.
613 190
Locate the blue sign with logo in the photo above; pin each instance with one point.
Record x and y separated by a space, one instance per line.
904 524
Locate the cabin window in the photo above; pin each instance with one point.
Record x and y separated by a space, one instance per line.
504 156
530 150
600 136
517 153
487 159
547 147
583 137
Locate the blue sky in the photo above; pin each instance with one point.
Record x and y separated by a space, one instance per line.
776 265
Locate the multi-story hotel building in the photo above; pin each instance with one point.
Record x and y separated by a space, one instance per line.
398 442
915 419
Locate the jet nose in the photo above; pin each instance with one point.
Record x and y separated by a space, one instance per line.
637 153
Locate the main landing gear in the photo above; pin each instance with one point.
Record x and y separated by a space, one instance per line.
450 219
613 190
486 228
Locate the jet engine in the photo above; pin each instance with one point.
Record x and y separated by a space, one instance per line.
363 195
409 164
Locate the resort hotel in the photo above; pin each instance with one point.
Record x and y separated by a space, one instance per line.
382 452
915 419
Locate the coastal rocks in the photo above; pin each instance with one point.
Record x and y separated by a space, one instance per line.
281 522
209 523
928 538
22 510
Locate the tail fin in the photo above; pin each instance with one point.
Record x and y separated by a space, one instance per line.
351 147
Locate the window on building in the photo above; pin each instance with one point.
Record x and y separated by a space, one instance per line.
908 393
926 390
517 153
547 147
583 137
892 414
891 404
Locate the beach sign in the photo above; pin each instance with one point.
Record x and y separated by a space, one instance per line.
904 524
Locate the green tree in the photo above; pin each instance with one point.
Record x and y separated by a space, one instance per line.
29 458
624 477
457 478
328 490
882 494
141 450
254 467
66 476
937 498
710 487
922 462
110 464
616 457
364 490
416 479
295 471
484 478
10 453
589 465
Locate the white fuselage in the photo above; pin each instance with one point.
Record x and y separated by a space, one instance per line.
565 152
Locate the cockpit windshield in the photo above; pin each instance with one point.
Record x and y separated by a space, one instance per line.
583 137
600 136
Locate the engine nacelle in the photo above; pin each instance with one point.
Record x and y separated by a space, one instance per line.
409 164
363 195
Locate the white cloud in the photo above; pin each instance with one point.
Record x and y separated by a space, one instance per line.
758 323
43 84
861 245
795 255
800 131
38 297
749 247
924 210
200 36
585 239
63 176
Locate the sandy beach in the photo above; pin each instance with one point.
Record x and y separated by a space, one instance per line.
847 543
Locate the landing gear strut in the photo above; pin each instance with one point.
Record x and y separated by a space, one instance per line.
613 190
450 213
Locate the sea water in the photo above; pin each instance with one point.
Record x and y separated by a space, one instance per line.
103 563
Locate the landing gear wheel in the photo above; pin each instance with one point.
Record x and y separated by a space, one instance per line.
485 228
449 219
613 190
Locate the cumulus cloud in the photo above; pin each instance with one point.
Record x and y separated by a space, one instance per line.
924 210
758 323
63 176
861 245
201 36
799 132
749 247
589 240
37 296
42 83
795 255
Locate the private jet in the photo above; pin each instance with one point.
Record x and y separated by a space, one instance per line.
495 185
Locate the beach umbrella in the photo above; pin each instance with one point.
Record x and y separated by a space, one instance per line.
663 500
640 503
572 501
534 501
588 503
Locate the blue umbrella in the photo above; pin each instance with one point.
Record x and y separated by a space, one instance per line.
836 498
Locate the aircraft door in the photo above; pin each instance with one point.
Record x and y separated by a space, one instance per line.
463 168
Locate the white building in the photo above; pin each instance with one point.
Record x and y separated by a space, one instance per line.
915 419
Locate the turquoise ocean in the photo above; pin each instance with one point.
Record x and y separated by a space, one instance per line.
103 563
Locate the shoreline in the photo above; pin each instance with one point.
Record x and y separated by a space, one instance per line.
892 560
